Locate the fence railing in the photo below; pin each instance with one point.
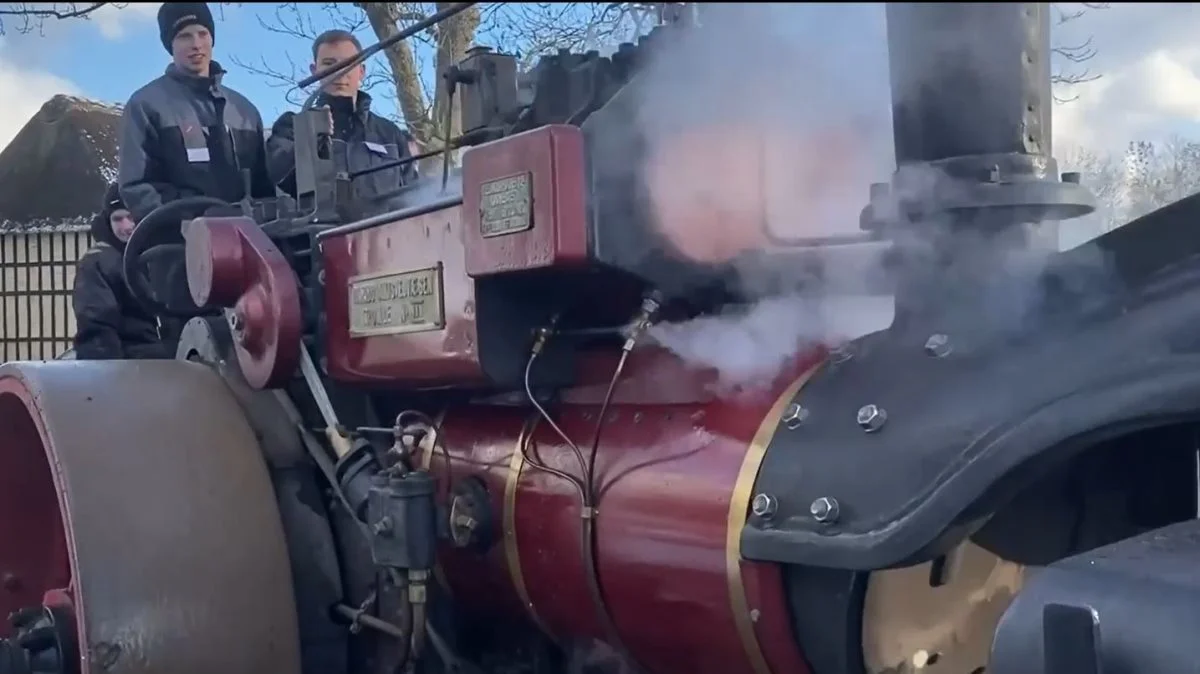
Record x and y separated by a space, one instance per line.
37 273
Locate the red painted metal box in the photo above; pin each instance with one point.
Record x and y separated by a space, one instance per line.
399 307
524 204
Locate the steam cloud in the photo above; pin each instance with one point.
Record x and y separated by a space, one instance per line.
775 114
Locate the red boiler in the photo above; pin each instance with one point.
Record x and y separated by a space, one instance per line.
673 485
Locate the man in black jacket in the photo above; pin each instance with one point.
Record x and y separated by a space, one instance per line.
109 323
362 139
185 133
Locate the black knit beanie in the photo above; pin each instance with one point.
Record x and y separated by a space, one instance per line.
175 16
112 199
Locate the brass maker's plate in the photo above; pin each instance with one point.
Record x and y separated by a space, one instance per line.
506 205
392 303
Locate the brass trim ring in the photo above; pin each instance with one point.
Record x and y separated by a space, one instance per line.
739 505
512 552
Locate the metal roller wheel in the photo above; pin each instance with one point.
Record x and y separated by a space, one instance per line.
138 527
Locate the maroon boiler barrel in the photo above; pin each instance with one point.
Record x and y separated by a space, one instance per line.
674 484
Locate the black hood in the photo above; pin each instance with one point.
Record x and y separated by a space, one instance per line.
101 226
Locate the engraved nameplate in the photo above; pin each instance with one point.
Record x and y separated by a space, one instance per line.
506 205
395 303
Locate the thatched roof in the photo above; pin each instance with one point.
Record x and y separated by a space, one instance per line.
54 172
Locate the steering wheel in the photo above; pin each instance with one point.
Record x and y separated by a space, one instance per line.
157 245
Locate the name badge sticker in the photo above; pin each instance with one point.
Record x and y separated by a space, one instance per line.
376 148
197 154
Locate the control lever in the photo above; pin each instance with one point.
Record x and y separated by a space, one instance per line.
333 429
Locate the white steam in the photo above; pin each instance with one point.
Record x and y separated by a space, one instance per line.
766 125
750 347
766 128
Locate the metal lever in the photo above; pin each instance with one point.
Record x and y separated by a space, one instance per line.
339 441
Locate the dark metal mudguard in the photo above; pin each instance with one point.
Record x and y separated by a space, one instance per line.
1101 353
1127 607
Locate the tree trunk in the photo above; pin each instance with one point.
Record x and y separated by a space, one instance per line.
454 37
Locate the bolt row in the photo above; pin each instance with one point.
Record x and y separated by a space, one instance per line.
870 418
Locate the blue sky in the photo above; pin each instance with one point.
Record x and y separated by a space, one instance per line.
110 56
1147 54
117 49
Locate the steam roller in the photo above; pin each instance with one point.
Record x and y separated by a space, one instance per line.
441 430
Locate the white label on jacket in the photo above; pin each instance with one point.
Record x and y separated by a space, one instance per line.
197 154
376 148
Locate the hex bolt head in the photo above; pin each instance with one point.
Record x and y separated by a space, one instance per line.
871 418
824 510
764 505
842 353
795 415
938 346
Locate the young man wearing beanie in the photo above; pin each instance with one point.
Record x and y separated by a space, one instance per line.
186 133
361 138
109 323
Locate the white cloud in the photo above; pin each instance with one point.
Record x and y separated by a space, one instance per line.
1150 78
113 22
24 90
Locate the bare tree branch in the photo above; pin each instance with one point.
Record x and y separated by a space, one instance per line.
32 15
1066 77
1143 178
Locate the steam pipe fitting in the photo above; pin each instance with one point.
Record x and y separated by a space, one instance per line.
645 318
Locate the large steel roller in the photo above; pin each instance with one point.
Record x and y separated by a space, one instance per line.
135 504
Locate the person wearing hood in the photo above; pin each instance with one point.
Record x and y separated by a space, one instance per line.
109 323
361 138
186 133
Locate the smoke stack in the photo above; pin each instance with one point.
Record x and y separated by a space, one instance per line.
975 178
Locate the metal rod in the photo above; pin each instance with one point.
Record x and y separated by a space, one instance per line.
370 621
396 163
384 44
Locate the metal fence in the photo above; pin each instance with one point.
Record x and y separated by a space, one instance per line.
37 273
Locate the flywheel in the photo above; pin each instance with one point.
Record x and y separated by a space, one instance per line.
138 527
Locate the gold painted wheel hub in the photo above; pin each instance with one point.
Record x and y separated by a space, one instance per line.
937 617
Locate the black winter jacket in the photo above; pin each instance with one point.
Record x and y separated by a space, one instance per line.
183 135
362 139
108 323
